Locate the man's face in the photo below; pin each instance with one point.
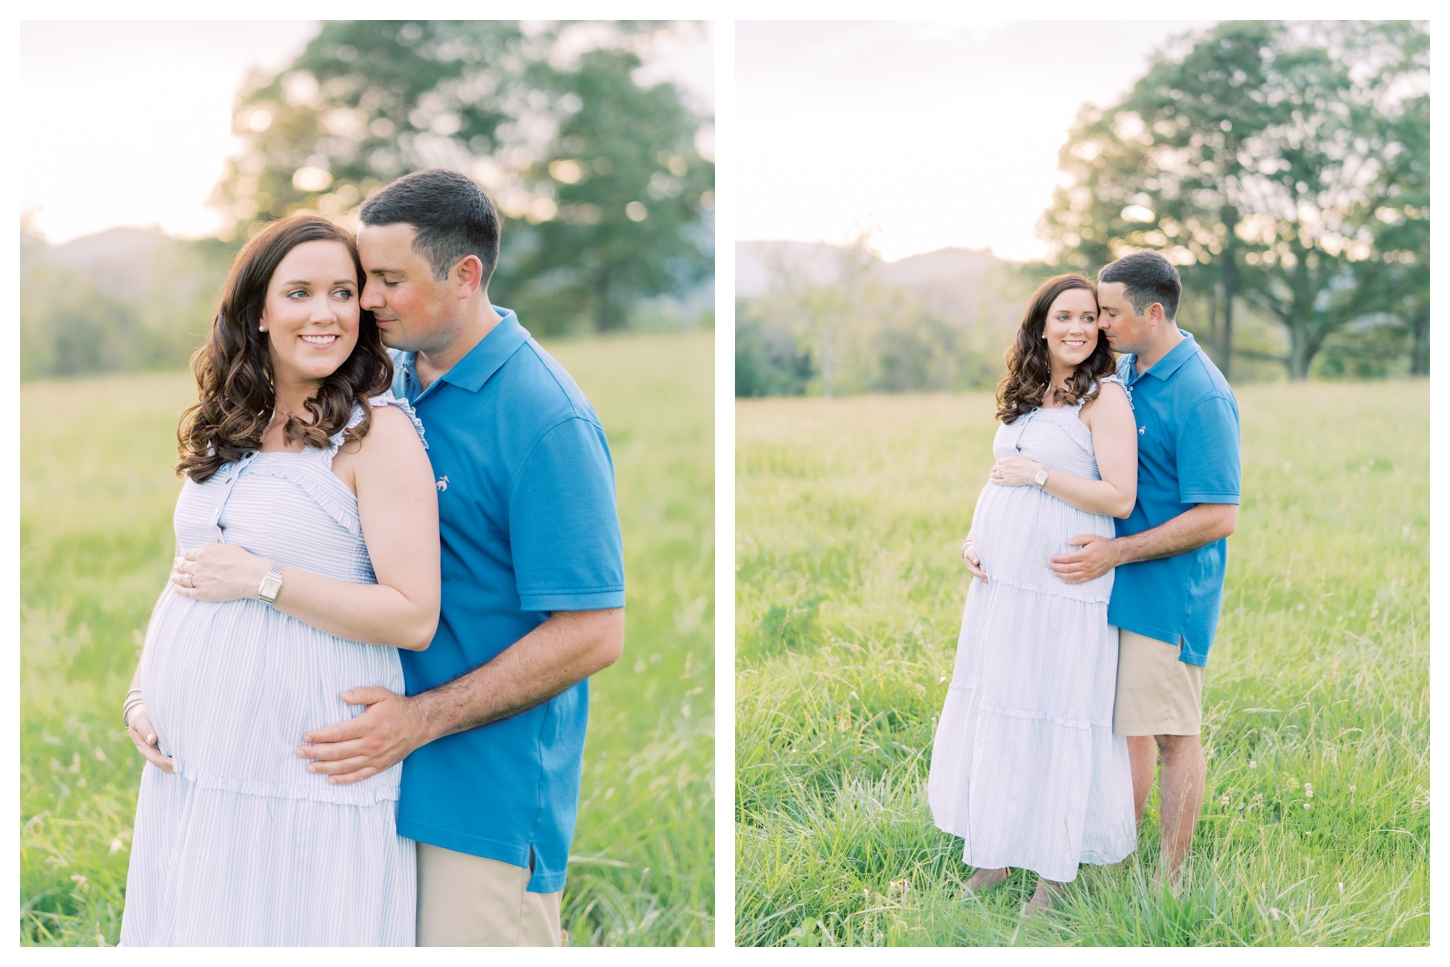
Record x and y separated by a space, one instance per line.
1127 331
415 311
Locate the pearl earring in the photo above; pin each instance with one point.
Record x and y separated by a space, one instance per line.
261 328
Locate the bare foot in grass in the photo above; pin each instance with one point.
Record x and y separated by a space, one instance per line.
1044 898
1165 881
985 879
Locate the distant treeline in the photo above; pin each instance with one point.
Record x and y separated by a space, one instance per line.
130 300
820 319
123 301
816 319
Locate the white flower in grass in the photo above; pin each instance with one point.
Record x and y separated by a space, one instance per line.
1351 789
1306 805
1253 764
1223 800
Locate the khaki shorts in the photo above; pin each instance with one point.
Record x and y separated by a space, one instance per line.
473 901
1157 694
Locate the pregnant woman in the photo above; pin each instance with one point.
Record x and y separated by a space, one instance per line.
307 536
1025 766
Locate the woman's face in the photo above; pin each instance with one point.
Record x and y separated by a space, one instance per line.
311 312
1072 328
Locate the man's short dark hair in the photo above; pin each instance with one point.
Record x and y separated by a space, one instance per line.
453 216
1148 278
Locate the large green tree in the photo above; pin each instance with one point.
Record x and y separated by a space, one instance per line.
605 198
1254 156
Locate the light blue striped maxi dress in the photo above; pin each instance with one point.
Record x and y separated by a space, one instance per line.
1025 766
242 845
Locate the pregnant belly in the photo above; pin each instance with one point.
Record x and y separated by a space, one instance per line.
231 687
1018 530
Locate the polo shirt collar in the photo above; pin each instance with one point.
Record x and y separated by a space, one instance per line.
1169 364
483 360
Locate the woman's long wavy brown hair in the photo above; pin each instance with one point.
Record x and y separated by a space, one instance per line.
233 370
1029 368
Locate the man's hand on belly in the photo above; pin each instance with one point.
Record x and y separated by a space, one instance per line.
379 738
1097 557
1199 525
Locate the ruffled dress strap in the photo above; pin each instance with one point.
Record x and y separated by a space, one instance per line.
386 399
1127 390
389 399
1098 384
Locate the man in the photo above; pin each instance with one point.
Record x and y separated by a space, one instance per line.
1171 552
492 727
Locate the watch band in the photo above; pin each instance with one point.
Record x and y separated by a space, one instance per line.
271 585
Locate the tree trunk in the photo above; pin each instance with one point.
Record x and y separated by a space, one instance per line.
1213 332
1300 352
1230 287
828 360
604 310
1420 342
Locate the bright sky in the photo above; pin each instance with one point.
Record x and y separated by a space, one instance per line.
129 123
937 134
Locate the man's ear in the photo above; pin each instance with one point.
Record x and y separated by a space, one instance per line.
469 276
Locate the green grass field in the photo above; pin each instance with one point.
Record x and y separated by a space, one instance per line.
848 601
96 503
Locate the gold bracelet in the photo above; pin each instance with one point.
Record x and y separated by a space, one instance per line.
133 699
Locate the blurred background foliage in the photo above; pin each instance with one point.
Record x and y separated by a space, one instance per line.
603 179
1283 167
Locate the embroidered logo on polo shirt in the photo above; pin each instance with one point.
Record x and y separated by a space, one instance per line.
442 483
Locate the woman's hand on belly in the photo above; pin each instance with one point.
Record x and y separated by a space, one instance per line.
973 560
1014 472
143 734
218 572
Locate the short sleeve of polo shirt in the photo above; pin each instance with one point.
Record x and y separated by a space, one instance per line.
1208 454
563 525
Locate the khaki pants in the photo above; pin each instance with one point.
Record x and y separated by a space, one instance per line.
473 901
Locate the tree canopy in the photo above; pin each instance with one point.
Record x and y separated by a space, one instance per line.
605 198
1283 164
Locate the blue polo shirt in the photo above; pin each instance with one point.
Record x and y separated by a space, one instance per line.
528 524
1188 453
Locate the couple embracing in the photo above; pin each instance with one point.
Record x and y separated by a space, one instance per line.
1084 640
380 556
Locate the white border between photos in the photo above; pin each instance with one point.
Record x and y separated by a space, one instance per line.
724 490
